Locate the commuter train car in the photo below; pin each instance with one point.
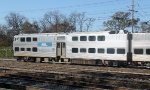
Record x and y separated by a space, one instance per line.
34 46
97 48
94 48
141 48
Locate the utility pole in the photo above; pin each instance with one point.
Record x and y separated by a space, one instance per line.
132 10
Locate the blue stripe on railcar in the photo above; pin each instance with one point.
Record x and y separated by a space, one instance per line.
44 44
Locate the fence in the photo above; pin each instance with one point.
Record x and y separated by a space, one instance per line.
6 52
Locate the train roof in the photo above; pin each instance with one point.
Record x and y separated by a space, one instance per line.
77 33
61 33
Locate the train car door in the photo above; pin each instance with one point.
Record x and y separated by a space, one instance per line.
61 49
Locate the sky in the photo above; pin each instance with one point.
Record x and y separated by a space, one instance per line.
101 10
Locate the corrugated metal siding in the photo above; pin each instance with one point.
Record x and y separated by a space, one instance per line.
141 41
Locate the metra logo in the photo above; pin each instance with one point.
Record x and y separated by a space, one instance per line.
44 44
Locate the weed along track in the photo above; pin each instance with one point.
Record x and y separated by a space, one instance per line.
20 75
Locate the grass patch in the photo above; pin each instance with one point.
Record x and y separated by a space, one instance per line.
6 52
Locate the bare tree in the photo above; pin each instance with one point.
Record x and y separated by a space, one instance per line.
81 20
73 18
29 27
53 18
43 26
89 23
3 29
36 26
15 21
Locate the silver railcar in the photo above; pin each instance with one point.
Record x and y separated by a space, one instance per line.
94 48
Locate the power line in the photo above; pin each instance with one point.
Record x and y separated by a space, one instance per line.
66 7
144 13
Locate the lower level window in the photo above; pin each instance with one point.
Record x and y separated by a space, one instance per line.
138 51
148 51
82 50
110 50
28 49
74 50
120 51
34 49
91 50
100 50
16 48
22 49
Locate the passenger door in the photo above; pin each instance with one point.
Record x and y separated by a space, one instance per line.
61 49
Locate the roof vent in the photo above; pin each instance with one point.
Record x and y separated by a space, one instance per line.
121 32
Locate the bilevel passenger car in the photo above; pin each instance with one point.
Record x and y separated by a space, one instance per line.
94 48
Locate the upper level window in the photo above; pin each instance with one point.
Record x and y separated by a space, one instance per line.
138 51
91 50
16 48
83 38
74 38
34 39
28 39
15 39
148 51
61 38
74 50
58 45
22 39
110 50
92 38
63 45
100 38
82 50
100 50
120 51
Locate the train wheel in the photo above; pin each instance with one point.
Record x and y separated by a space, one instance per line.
25 59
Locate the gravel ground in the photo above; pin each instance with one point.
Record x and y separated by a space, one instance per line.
74 70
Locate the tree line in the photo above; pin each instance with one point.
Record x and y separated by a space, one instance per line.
54 21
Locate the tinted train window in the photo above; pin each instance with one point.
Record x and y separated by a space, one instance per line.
92 38
148 51
22 39
34 49
110 50
100 50
63 45
34 39
15 39
91 50
28 39
58 45
74 50
61 38
83 50
138 51
120 51
100 38
22 49
28 49
75 38
16 48
83 38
